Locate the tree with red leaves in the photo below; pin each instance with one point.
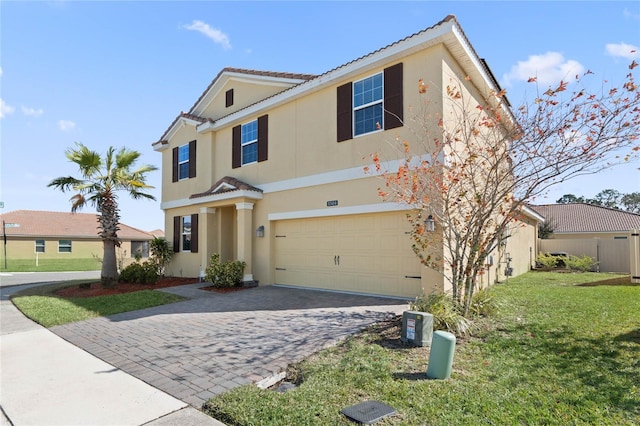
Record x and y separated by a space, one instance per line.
476 162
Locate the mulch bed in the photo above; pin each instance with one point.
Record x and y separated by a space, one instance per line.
95 289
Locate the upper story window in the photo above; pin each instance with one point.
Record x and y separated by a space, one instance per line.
39 246
367 105
373 103
184 161
249 142
64 246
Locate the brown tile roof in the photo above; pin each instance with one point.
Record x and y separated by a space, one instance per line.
34 223
581 217
310 77
181 115
192 116
226 184
159 233
275 74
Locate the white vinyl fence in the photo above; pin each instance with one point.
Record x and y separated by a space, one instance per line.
611 255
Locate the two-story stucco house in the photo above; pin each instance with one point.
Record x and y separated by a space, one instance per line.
268 168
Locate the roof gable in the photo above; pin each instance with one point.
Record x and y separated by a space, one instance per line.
586 218
34 223
225 185
447 32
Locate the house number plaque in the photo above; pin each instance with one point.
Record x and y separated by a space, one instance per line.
332 203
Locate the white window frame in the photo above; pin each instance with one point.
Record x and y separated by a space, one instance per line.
368 104
143 245
60 246
43 246
182 162
184 235
248 142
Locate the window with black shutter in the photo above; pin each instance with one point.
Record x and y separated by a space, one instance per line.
370 104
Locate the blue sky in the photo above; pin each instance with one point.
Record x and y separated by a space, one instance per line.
118 73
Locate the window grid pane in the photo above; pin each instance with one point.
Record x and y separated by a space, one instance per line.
367 119
250 153
39 246
367 91
249 132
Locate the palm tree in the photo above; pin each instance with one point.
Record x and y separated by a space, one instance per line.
101 180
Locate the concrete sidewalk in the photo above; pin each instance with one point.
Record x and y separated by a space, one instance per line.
47 381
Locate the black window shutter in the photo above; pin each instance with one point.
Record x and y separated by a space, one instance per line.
263 137
228 98
393 110
175 165
345 113
194 233
176 234
192 159
236 147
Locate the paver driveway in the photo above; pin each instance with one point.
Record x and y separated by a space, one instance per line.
214 342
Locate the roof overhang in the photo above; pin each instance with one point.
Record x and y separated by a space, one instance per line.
447 32
529 212
215 198
225 76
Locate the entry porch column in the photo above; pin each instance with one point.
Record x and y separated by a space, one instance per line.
208 244
245 237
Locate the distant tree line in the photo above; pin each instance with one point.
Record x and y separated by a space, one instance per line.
607 198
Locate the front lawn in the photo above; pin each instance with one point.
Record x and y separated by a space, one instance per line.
42 306
51 265
556 353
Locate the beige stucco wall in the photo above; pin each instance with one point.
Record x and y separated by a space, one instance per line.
24 248
302 144
577 235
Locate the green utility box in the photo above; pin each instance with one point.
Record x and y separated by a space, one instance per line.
417 328
441 355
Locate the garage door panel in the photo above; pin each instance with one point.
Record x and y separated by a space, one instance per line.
368 253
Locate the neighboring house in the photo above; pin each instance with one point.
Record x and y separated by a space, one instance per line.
268 168
602 233
580 220
57 235
158 233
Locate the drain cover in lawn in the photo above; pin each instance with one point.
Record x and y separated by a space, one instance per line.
368 412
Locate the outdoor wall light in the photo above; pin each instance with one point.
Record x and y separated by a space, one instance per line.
430 224
260 231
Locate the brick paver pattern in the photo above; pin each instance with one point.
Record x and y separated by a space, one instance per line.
204 346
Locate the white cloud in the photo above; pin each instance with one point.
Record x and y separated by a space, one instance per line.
5 109
623 50
66 125
213 33
32 112
549 69
629 14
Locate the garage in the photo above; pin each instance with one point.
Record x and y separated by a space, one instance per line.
363 253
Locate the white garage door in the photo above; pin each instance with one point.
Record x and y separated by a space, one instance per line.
368 253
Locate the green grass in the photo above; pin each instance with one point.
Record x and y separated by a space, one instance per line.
50 265
43 307
556 353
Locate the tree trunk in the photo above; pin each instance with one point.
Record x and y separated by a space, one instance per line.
109 275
